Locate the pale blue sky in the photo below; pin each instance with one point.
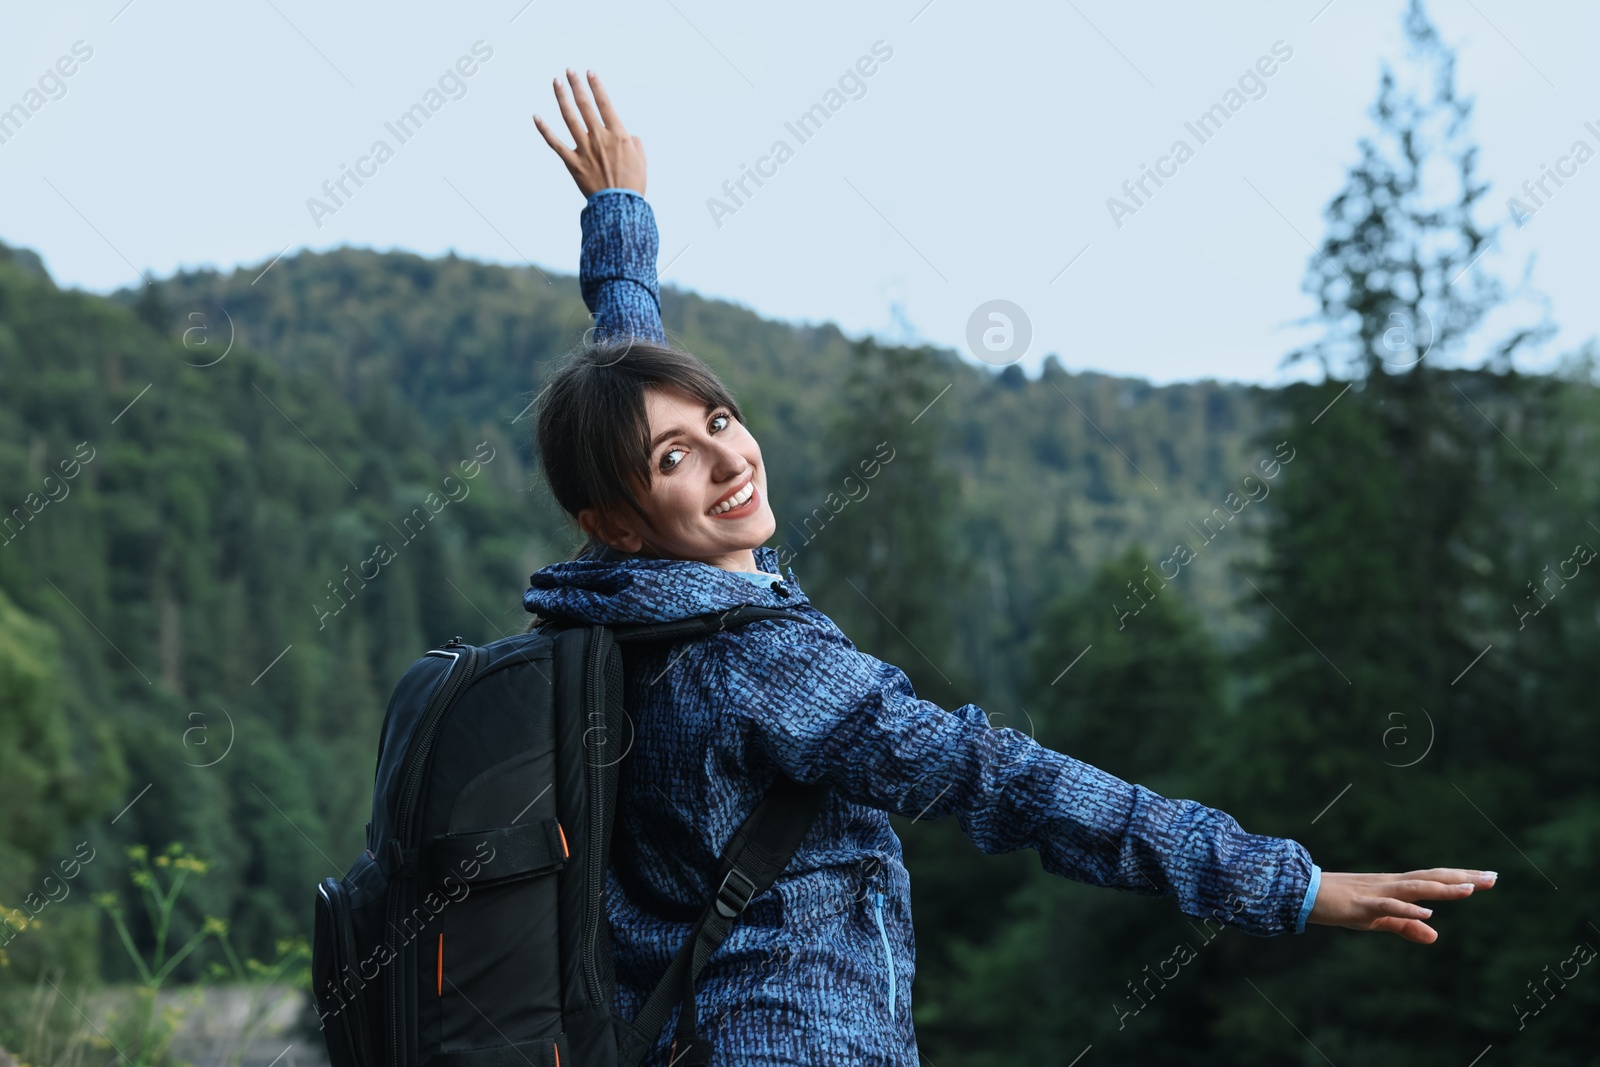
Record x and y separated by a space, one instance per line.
975 166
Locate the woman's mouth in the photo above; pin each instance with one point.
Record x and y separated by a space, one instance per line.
737 504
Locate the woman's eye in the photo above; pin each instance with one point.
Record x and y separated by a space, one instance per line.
719 422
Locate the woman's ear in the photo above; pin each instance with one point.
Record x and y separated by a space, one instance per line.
618 535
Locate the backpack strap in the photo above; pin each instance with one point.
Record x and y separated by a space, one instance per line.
752 860
700 625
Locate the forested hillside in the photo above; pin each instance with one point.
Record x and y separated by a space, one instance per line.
197 575
464 343
181 608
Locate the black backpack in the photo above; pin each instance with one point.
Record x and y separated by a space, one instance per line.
472 930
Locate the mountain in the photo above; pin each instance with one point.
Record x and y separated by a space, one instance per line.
198 478
1059 471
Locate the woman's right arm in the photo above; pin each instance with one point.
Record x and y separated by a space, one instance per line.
822 710
617 264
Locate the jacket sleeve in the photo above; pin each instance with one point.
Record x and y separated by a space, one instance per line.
822 710
617 266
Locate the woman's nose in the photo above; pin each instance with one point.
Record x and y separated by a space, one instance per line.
729 462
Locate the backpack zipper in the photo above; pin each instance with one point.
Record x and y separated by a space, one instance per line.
420 751
877 899
591 966
424 748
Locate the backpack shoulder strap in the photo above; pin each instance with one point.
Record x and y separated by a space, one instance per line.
752 860
700 625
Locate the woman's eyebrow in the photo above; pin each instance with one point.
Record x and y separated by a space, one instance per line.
676 430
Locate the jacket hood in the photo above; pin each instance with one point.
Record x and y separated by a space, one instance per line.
617 589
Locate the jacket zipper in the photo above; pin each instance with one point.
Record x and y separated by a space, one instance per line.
463 667
888 957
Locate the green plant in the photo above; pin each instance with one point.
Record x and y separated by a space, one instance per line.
44 1028
149 1031
161 881
291 966
18 920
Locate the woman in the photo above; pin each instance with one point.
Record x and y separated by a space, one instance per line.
644 447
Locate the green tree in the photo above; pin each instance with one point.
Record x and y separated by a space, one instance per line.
881 542
1132 690
45 790
1388 553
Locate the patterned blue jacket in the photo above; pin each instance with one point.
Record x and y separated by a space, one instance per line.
819 969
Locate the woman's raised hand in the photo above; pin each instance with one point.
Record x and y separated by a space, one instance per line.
1383 901
607 155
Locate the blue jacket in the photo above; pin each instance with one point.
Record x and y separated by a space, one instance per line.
819 969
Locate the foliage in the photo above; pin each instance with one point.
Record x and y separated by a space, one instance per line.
147 1030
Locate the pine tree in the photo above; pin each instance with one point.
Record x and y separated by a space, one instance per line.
881 542
151 308
1388 539
1133 691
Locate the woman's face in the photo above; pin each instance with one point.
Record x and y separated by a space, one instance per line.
701 460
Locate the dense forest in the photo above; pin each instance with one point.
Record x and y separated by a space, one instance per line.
1355 613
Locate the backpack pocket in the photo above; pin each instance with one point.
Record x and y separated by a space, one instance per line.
491 962
344 982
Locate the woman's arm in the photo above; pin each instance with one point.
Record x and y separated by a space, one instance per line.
822 710
617 265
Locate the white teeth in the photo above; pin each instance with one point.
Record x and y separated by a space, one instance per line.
736 499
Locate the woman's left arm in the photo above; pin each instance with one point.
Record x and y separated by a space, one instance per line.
617 265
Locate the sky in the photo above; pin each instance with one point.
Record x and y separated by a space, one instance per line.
973 164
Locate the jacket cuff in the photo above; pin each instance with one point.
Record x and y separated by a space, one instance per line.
1276 908
619 245
1311 899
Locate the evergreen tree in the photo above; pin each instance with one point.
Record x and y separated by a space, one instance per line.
44 789
881 541
1048 973
151 308
1388 550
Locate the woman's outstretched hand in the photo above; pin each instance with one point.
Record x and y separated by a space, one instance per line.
607 155
1383 901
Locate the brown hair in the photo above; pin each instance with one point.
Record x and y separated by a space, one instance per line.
593 433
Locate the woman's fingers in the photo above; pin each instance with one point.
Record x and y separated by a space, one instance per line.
1482 879
567 155
1388 902
1403 909
1404 918
606 155
1442 883
575 125
590 117
1423 889
1410 929
608 114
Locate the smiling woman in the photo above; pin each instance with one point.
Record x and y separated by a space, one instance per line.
647 451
